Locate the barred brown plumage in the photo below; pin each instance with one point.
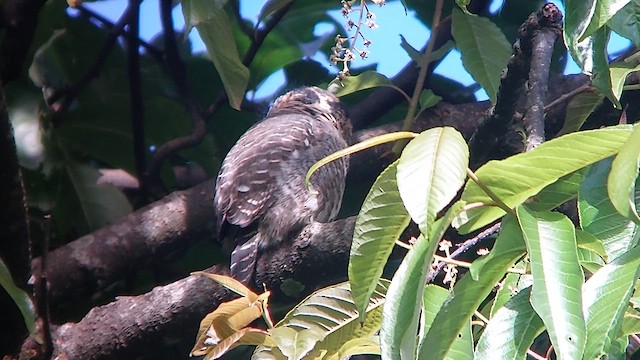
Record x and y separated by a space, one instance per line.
261 199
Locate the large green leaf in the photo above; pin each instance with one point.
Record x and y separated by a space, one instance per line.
484 48
468 294
511 330
431 170
622 178
404 298
557 278
599 218
214 28
519 177
380 222
331 313
605 298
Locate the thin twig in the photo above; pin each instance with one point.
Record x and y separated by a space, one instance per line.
564 97
464 247
178 72
154 51
135 95
423 64
71 91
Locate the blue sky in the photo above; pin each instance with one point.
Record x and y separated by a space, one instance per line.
391 20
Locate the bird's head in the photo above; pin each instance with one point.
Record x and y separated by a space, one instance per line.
318 103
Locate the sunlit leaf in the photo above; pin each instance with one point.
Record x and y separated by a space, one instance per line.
557 279
519 177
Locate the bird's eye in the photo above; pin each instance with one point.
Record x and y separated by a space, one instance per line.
309 97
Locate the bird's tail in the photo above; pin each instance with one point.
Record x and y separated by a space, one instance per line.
243 260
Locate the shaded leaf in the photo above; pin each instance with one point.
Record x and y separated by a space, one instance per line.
599 218
605 298
19 297
101 204
622 178
381 221
579 109
214 28
511 330
484 48
404 298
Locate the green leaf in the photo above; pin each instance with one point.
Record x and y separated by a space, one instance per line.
368 345
625 22
214 28
622 178
331 313
579 109
599 218
366 80
380 222
433 299
589 242
463 301
484 48
428 99
101 204
578 15
270 7
604 10
557 278
402 309
519 177
431 170
559 192
618 73
508 244
601 74
511 330
605 298
295 345
19 297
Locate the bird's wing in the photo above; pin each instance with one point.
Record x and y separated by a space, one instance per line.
246 186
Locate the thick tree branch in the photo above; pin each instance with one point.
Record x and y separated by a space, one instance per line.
150 234
550 20
131 326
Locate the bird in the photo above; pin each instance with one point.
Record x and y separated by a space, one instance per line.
261 200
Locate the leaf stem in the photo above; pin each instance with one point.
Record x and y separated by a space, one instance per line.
490 193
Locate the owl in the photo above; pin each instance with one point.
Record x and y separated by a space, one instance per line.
261 199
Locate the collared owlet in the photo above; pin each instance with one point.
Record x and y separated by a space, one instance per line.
261 199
